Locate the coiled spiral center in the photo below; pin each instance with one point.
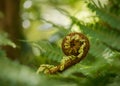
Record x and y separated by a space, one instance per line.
73 43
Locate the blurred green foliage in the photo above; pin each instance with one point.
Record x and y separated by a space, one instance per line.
5 41
101 67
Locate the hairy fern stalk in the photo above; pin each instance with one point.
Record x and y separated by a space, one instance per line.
75 46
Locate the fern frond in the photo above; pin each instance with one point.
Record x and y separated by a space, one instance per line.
110 37
52 52
15 74
98 70
100 53
111 19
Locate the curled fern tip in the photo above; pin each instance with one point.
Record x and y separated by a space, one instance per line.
75 46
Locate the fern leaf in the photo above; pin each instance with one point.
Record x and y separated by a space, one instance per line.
52 52
110 37
107 17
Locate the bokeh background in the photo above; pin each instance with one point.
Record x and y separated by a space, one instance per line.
31 32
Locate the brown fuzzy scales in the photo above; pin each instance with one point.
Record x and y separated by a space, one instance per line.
76 44
71 46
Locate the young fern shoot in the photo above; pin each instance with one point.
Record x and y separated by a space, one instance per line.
75 47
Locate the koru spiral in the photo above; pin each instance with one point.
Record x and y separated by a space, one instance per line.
75 47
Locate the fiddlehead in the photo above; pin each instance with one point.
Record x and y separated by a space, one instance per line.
75 46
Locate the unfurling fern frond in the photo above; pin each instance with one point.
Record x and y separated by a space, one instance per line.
75 47
102 56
